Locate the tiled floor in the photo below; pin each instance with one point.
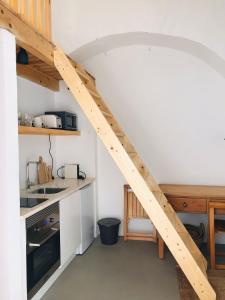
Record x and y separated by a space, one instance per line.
127 270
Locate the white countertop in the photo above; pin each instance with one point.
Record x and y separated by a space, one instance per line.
71 186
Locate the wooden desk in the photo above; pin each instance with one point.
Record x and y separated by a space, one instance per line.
192 198
183 198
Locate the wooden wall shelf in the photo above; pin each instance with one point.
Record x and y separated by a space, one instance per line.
45 131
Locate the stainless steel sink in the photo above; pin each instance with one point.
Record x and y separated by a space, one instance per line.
48 191
31 202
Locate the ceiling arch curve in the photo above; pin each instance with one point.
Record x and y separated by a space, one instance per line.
115 41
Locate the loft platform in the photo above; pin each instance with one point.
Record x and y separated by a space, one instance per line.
34 38
45 74
39 72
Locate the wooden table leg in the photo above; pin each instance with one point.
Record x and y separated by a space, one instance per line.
211 229
126 220
161 247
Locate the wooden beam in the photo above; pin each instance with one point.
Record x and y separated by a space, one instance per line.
38 77
26 37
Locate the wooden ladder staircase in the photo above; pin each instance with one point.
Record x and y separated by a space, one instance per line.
169 226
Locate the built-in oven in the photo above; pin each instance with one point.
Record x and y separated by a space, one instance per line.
43 247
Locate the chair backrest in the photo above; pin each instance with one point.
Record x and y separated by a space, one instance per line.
216 207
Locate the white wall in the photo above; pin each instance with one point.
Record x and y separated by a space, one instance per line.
172 107
76 149
10 250
33 99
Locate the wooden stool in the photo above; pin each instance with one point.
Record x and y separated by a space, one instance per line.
215 226
134 210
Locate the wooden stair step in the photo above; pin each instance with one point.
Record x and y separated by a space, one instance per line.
101 104
81 72
119 134
106 114
114 126
92 90
132 154
93 93
146 174
126 144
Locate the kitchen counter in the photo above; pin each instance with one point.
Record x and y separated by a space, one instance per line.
71 186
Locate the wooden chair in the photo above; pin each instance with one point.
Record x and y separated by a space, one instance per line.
134 210
215 226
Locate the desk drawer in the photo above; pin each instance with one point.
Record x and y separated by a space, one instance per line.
198 205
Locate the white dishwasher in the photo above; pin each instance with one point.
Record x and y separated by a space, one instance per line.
87 217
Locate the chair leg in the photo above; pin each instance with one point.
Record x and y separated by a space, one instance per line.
161 247
208 238
126 219
212 238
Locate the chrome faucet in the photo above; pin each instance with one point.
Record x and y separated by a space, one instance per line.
29 183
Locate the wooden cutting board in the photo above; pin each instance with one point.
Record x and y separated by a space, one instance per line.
42 171
49 173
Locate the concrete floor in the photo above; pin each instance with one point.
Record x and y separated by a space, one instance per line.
127 270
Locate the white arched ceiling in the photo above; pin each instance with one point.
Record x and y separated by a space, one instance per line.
77 23
115 41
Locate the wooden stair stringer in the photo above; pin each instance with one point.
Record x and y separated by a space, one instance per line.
127 145
161 214
152 184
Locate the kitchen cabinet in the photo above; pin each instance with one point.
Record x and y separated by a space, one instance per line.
70 230
87 217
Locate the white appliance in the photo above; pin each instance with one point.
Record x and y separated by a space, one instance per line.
71 171
37 121
51 121
87 218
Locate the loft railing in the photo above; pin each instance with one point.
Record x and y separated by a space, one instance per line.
37 13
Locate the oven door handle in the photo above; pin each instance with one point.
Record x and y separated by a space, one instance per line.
54 230
34 245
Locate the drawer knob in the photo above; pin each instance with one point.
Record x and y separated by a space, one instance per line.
185 204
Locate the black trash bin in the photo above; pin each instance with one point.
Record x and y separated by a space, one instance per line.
109 229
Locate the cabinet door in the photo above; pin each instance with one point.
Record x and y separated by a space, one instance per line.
87 217
70 234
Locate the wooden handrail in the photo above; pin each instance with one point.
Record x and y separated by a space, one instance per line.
37 13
